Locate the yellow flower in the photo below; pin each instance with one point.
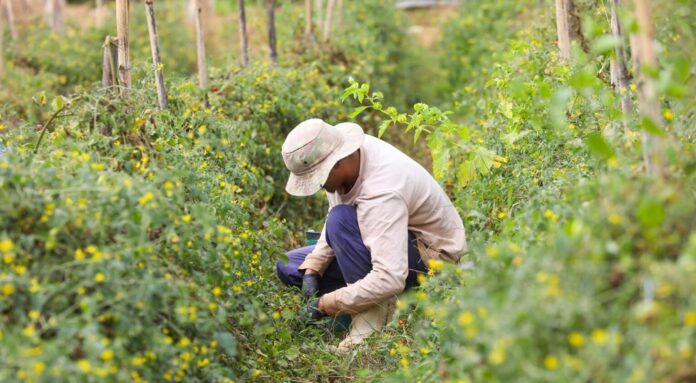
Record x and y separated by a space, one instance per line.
275 315
435 264
147 197
571 126
203 363
466 318
599 336
633 87
669 116
576 339
551 362
97 166
202 129
84 366
497 356
492 251
107 355
8 258
183 342
39 367
614 219
33 314
6 245
217 291
8 289
138 361
690 319
186 218
79 255
551 215
99 277
502 215
29 331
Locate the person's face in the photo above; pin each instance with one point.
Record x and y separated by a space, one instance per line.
335 180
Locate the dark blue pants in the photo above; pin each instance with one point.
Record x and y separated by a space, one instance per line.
352 262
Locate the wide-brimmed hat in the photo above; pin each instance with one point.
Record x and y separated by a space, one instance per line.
312 149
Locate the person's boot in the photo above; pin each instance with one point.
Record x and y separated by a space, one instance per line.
365 323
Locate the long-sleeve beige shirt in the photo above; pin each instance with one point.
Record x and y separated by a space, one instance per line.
393 195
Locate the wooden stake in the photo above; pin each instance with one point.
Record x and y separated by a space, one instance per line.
243 38
200 45
110 62
11 20
270 6
326 33
122 8
568 28
648 104
308 19
2 51
618 63
154 47
99 13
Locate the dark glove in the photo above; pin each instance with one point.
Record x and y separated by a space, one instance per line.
310 285
312 310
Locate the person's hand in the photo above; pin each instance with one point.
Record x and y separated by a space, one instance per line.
312 311
310 283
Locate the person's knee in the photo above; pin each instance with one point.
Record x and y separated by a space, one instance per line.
340 217
283 272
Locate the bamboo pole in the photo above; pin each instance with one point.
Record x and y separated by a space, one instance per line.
11 20
154 47
618 63
99 13
339 15
270 7
243 38
326 33
122 8
2 51
648 104
110 62
308 19
200 48
562 30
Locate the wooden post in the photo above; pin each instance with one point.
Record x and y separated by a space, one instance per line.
619 68
200 45
308 19
99 13
11 20
319 16
648 104
154 47
243 38
339 15
122 8
568 28
2 51
110 62
326 33
270 6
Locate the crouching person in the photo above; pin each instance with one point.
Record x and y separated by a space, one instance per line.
387 218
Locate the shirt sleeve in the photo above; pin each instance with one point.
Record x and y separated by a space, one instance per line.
383 224
320 258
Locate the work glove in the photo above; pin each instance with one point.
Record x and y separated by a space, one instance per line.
310 285
312 311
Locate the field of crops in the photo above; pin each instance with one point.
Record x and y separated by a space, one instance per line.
139 243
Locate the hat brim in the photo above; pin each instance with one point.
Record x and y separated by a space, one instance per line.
310 183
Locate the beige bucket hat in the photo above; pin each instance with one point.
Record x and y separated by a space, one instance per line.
312 149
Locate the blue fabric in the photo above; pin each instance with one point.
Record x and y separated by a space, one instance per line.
352 262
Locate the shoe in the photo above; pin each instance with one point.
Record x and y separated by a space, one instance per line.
365 323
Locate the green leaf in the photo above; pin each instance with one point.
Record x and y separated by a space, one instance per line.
383 127
466 172
57 103
357 111
227 342
599 146
651 127
605 44
650 213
